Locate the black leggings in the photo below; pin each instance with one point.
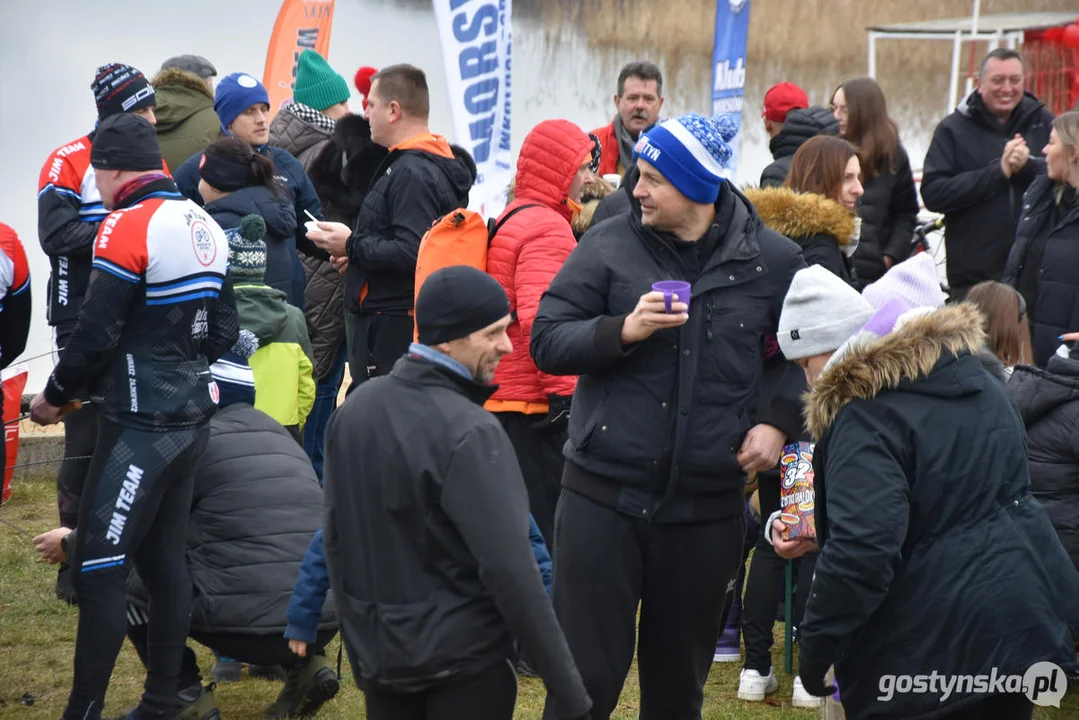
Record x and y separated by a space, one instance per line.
540 457
80 436
251 649
490 695
135 507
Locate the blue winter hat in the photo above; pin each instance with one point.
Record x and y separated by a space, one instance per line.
232 373
691 151
235 93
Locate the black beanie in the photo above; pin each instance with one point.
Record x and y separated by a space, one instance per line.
226 174
125 142
457 301
119 89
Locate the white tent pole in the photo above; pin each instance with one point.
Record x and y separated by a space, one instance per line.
872 54
974 17
953 85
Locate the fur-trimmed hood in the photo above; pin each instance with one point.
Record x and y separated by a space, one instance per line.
175 77
801 215
908 354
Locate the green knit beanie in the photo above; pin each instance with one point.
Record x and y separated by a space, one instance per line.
317 85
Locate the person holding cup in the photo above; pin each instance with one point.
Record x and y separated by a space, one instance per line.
664 426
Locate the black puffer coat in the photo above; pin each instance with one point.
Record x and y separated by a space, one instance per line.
280 216
1049 402
889 212
934 554
799 127
1048 237
255 508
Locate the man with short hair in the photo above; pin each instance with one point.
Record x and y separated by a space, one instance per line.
69 215
637 104
426 526
158 310
186 121
243 109
664 425
789 122
421 179
980 162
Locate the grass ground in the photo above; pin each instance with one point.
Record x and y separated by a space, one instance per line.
37 636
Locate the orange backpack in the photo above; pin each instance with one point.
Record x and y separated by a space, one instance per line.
460 237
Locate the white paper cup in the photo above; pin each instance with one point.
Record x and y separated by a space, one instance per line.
614 179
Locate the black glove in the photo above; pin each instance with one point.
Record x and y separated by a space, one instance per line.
812 676
557 419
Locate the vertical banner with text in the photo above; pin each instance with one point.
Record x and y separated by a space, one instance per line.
476 40
300 25
729 65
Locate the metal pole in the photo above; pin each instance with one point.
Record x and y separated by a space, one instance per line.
872 54
953 84
974 17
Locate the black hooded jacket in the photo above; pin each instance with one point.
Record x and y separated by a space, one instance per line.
280 216
800 126
963 180
411 190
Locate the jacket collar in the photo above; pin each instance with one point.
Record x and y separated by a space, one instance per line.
156 185
798 215
416 369
907 354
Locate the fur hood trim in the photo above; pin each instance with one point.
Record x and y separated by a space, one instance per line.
176 76
909 353
799 215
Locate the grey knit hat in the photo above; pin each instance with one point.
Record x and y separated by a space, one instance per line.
194 64
819 314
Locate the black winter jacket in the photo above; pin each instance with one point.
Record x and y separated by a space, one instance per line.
962 179
412 189
255 508
889 212
280 235
1048 235
799 127
660 423
426 536
927 527
621 201
1049 402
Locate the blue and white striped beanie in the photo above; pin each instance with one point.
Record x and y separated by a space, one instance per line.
691 151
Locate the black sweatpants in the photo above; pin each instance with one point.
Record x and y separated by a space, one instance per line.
679 573
540 457
135 507
490 695
251 649
377 343
766 584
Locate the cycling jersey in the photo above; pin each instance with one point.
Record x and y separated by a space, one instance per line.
14 296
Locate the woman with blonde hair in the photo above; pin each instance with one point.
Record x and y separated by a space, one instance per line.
1046 251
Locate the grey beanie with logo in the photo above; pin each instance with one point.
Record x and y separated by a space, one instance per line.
820 313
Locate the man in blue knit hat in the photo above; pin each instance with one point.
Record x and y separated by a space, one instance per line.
665 423
243 106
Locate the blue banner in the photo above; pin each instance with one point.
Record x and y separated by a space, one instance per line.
729 65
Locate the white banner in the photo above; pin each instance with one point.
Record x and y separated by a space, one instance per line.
476 41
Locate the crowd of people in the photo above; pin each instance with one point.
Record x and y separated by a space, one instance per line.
559 461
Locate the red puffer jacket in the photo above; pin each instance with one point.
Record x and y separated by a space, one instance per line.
528 252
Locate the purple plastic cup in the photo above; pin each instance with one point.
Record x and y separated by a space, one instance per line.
672 288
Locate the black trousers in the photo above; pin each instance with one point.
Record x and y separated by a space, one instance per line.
606 563
490 695
135 507
540 457
377 342
996 707
80 436
251 649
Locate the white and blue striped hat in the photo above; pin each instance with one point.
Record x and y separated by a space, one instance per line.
691 151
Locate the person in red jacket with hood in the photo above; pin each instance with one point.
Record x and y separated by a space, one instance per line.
534 238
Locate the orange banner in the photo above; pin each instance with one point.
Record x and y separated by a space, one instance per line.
300 25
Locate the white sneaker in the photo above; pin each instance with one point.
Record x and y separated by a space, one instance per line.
802 699
753 686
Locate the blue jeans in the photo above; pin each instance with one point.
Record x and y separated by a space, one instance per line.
314 431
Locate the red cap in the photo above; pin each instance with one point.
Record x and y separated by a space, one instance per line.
363 82
781 99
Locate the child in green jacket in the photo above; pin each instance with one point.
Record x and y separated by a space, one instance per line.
282 365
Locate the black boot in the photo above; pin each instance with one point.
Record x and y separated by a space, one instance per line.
308 687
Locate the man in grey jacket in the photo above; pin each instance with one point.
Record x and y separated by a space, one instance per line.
426 526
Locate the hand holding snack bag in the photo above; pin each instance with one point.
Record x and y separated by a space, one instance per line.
796 492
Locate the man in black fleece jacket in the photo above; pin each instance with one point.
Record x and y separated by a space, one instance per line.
426 527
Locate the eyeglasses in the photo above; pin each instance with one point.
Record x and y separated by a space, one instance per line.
597 150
